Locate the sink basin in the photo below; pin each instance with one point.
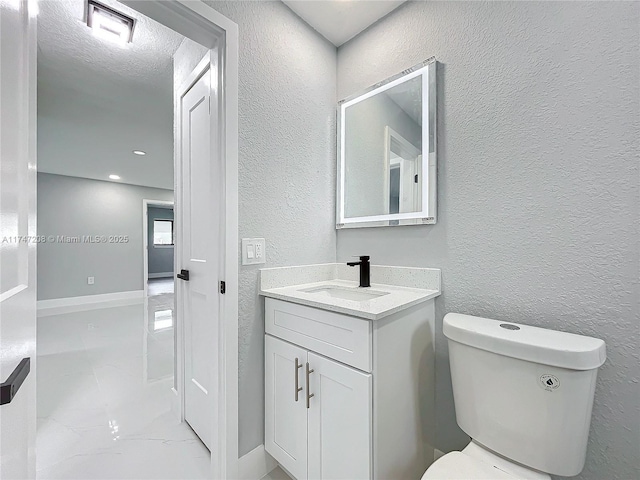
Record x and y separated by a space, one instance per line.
345 293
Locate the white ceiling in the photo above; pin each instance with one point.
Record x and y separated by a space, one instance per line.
341 20
98 101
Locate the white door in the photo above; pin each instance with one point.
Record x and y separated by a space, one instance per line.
285 436
340 421
198 216
17 240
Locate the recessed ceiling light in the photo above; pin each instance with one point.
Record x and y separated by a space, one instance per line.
108 23
139 152
114 177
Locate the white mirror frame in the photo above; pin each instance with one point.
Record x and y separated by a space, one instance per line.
428 214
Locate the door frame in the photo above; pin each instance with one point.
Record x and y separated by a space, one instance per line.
203 24
145 238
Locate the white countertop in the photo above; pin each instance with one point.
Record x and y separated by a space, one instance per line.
397 297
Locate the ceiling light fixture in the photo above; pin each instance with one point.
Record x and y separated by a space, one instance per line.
114 177
109 24
139 152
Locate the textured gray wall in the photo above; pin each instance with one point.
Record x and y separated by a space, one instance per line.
286 166
160 258
537 181
74 206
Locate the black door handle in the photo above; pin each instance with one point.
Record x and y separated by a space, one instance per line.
183 275
9 388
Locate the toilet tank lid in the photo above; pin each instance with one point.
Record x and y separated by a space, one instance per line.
533 344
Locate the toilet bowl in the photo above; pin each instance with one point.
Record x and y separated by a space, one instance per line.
523 394
478 463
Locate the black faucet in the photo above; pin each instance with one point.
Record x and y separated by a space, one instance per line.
365 270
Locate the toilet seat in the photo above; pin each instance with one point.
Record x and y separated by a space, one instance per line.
457 465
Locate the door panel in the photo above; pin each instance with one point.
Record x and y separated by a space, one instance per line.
17 234
285 417
340 421
200 220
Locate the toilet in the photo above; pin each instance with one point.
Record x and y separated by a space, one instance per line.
523 394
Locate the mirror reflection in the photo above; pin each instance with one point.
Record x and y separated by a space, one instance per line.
382 145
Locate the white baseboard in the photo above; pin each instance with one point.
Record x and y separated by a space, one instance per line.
57 306
255 464
161 275
175 404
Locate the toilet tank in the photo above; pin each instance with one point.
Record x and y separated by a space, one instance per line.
524 392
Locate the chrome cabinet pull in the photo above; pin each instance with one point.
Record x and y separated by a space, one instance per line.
298 367
309 395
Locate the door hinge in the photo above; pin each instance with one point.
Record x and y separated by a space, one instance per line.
223 287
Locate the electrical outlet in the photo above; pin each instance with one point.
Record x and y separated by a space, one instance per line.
91 280
253 251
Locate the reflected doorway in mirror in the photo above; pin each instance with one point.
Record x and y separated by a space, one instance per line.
403 169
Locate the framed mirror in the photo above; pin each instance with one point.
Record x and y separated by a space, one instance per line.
387 152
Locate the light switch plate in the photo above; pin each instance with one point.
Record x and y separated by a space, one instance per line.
253 251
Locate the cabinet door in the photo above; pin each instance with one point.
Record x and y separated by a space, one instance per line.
340 421
285 412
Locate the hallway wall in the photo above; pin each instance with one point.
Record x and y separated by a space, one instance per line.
75 207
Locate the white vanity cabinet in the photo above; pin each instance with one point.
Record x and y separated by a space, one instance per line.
347 397
324 431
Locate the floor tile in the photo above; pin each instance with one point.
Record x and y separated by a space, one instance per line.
157 286
104 395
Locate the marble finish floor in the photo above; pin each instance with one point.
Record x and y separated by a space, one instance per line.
104 381
158 286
